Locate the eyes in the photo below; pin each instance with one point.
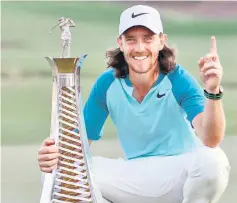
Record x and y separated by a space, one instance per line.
147 39
130 40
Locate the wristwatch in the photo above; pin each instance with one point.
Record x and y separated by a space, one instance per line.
214 96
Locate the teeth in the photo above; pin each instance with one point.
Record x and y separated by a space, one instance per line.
140 57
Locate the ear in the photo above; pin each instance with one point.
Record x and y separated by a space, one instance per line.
119 42
163 39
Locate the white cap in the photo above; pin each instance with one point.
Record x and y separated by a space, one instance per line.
140 15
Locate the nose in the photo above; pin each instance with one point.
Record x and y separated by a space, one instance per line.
140 46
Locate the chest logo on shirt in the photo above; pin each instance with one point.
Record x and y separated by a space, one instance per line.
160 95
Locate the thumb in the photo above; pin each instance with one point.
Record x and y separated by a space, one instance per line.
48 142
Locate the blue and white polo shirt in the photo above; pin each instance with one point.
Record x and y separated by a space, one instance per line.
158 126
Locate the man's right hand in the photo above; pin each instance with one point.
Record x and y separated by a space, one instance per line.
48 156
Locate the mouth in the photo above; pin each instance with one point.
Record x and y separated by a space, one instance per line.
140 58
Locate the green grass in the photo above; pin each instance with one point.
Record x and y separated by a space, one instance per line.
26 110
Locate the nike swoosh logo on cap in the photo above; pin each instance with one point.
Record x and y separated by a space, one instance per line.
139 14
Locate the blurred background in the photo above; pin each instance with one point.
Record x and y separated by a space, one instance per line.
26 76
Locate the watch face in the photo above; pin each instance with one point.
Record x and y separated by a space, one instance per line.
221 89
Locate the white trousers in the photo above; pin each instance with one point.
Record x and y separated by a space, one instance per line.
200 176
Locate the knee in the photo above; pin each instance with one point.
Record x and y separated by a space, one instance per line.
214 167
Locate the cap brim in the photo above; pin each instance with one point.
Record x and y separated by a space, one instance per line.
155 32
146 25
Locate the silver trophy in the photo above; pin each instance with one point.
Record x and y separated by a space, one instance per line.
73 179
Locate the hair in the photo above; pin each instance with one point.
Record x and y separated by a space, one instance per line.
116 60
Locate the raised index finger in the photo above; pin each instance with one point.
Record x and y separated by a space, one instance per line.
213 48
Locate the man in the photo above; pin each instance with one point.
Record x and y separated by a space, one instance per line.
168 129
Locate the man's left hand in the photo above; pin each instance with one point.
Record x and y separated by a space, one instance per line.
211 71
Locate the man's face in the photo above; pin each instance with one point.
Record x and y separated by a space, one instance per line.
141 47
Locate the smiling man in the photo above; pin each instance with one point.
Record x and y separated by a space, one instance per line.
168 126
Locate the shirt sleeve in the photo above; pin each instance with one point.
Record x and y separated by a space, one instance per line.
95 110
187 91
